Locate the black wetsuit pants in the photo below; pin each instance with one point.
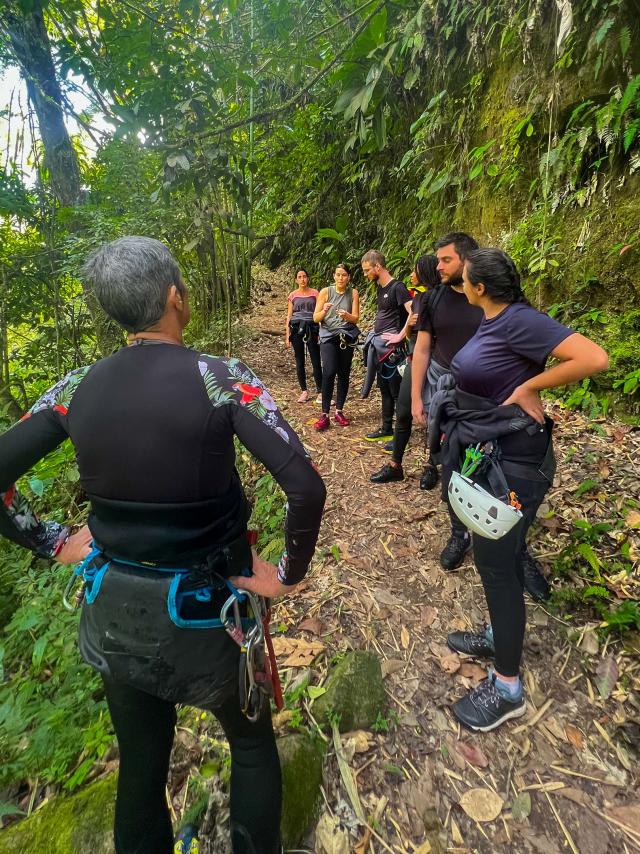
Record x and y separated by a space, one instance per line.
144 727
336 362
312 345
389 390
499 563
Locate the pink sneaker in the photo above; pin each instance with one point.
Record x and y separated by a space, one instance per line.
341 420
322 423
304 397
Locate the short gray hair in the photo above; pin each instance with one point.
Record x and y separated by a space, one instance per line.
130 277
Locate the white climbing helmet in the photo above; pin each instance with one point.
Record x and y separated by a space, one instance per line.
479 510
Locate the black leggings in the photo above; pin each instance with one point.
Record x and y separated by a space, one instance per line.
499 563
144 727
402 431
389 390
336 362
298 344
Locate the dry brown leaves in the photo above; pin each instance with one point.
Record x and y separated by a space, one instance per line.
298 652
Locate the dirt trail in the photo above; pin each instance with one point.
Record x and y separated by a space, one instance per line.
561 778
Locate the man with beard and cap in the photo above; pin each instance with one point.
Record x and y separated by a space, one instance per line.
446 322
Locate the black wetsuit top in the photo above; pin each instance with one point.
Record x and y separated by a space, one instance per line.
153 427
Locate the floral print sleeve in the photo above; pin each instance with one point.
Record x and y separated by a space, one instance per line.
246 405
39 431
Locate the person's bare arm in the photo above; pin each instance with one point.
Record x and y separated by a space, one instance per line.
322 306
287 339
419 367
579 357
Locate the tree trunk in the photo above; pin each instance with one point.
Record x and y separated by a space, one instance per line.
30 43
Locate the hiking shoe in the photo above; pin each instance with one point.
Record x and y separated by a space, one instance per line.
340 419
186 841
429 477
485 707
469 643
387 473
322 423
535 584
379 435
304 397
388 447
453 553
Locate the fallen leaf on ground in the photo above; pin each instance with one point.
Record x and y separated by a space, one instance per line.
450 663
633 518
300 653
330 838
606 676
589 642
456 836
384 597
391 665
428 615
628 814
575 795
575 736
481 804
472 671
521 807
360 739
405 639
472 753
313 625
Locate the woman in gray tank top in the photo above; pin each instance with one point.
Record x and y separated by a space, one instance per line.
337 312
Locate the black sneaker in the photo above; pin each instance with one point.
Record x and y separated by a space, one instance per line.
453 553
387 473
535 584
485 708
380 435
468 643
388 447
429 477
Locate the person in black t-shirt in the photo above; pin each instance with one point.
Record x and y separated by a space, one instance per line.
424 279
394 303
447 321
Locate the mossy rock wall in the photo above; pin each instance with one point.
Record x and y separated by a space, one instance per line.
77 824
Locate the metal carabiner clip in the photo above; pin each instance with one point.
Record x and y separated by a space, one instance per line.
233 623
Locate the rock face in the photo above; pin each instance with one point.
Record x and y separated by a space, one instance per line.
79 823
355 693
83 823
301 760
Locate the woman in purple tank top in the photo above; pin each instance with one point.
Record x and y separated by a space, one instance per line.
300 329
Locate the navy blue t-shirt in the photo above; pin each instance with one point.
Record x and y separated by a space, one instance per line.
506 351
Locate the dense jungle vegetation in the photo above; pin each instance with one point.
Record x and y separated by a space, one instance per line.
289 130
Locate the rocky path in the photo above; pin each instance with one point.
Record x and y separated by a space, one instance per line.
563 778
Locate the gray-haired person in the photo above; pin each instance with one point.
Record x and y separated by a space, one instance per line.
153 427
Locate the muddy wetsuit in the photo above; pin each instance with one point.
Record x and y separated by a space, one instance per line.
153 428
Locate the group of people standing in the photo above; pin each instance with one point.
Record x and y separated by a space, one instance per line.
464 353
170 608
